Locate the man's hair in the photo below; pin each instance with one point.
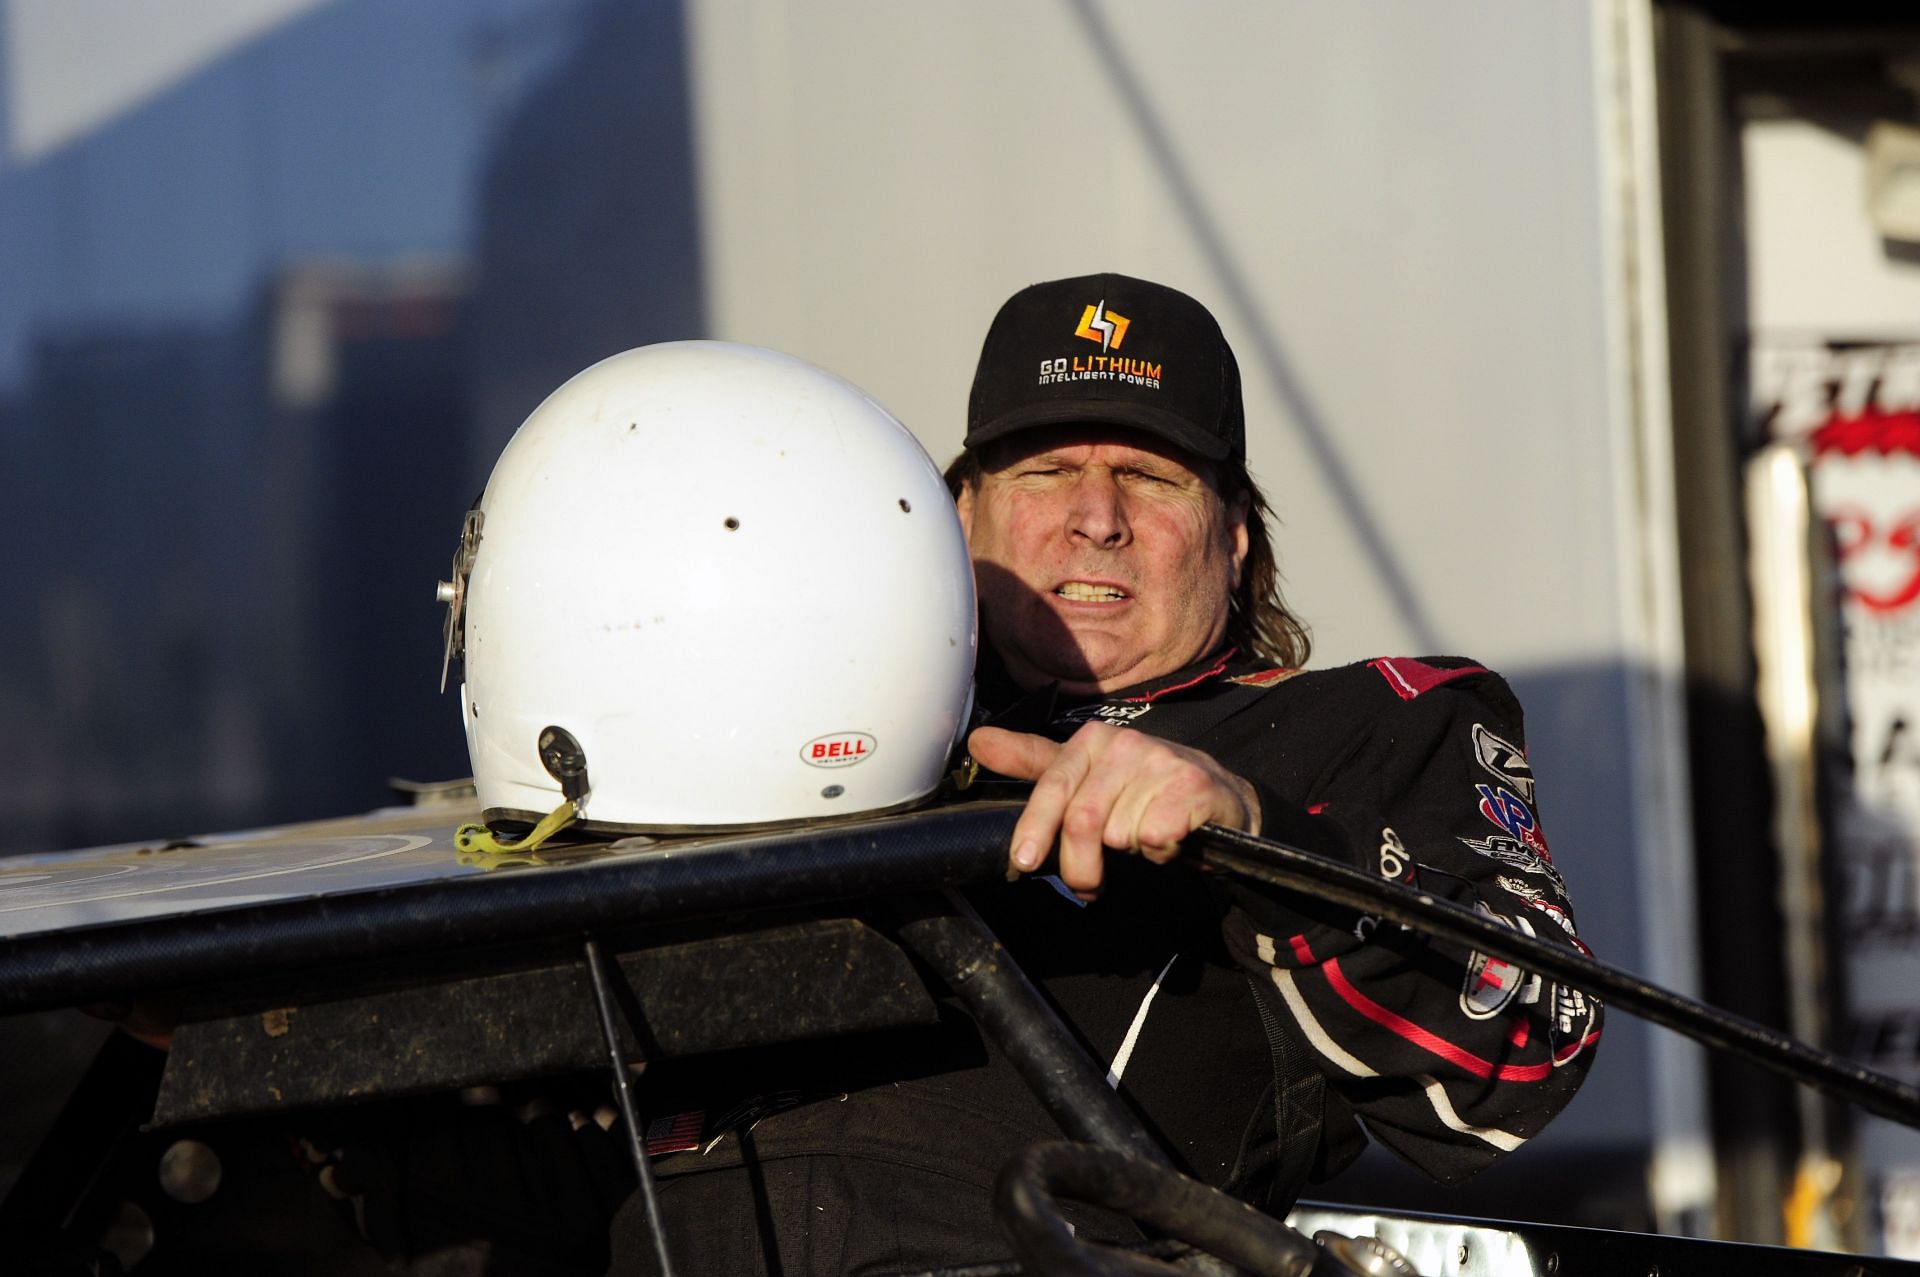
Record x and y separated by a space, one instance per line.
1258 622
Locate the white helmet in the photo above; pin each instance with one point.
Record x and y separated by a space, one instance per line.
727 585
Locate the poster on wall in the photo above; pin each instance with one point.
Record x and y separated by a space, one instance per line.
1853 411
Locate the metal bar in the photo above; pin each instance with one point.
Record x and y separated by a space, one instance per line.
629 1112
1241 1237
122 961
1282 866
964 950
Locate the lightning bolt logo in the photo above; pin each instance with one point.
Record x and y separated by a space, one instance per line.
1102 325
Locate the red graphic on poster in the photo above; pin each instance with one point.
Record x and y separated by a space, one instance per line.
1880 560
1880 556
1871 430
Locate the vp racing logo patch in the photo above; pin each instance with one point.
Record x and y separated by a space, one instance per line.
1504 808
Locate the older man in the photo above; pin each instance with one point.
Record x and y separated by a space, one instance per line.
1143 672
1140 670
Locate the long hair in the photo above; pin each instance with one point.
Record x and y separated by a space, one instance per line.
1258 621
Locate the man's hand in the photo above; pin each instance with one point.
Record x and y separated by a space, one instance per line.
1111 787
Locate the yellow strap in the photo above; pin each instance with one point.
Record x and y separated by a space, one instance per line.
477 844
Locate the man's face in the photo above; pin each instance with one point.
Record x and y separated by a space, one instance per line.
1103 557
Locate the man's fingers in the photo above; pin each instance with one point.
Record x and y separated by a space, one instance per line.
1165 822
1022 756
1061 807
1108 788
1054 786
1016 755
1189 795
1084 825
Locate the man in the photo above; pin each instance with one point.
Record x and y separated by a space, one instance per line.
1140 670
1132 627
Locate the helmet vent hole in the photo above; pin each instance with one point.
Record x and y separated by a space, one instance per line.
833 791
906 505
732 524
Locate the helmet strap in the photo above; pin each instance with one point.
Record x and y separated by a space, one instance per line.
478 845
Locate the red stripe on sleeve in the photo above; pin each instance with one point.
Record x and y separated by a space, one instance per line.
1426 1039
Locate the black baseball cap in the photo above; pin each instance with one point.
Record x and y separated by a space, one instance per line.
1109 350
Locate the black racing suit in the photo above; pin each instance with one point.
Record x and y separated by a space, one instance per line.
1224 1011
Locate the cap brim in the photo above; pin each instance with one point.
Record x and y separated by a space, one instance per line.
1158 422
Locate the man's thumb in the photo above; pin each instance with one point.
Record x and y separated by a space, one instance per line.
1016 755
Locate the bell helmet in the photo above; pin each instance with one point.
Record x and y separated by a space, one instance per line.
710 586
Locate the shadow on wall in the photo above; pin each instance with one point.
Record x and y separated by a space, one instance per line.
222 568
589 242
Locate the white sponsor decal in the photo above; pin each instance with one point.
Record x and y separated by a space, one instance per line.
1394 860
1493 983
1517 855
1505 760
1571 1023
1117 715
1515 886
